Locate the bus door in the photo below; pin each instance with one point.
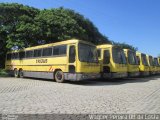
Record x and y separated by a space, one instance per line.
106 61
72 59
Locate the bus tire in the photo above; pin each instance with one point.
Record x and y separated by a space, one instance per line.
59 76
16 73
21 73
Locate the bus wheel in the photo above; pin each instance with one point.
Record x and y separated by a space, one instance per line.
59 76
21 73
16 73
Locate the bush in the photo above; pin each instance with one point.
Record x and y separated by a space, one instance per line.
3 73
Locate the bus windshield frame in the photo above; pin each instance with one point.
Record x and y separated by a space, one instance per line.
87 53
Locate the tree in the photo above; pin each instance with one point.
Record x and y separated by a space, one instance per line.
23 26
125 46
13 17
60 24
26 26
18 24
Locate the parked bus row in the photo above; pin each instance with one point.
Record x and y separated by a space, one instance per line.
79 60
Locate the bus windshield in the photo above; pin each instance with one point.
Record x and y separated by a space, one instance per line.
87 53
144 60
155 61
151 61
132 58
118 55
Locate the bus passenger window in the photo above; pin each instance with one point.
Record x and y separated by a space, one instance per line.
59 50
37 53
21 55
14 56
29 54
47 52
9 56
62 50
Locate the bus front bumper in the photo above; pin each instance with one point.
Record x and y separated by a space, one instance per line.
114 75
133 74
81 76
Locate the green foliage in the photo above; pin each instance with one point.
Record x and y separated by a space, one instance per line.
13 18
23 26
125 46
17 23
3 73
60 24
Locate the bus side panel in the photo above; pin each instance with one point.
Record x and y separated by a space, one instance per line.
45 75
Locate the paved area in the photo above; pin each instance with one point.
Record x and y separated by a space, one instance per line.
34 96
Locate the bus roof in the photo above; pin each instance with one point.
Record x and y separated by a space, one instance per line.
149 55
105 46
126 49
139 53
53 44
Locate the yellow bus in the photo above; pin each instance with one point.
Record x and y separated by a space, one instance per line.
132 63
152 68
159 65
159 60
156 65
112 60
143 64
68 60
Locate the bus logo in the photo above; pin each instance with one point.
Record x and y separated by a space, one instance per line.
41 61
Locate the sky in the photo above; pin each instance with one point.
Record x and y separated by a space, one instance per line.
135 22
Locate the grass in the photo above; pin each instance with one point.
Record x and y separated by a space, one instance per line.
3 73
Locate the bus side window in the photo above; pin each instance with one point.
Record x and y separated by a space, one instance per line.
17 55
62 50
138 60
9 56
13 56
21 55
106 59
99 53
59 50
37 53
47 52
29 54
72 54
